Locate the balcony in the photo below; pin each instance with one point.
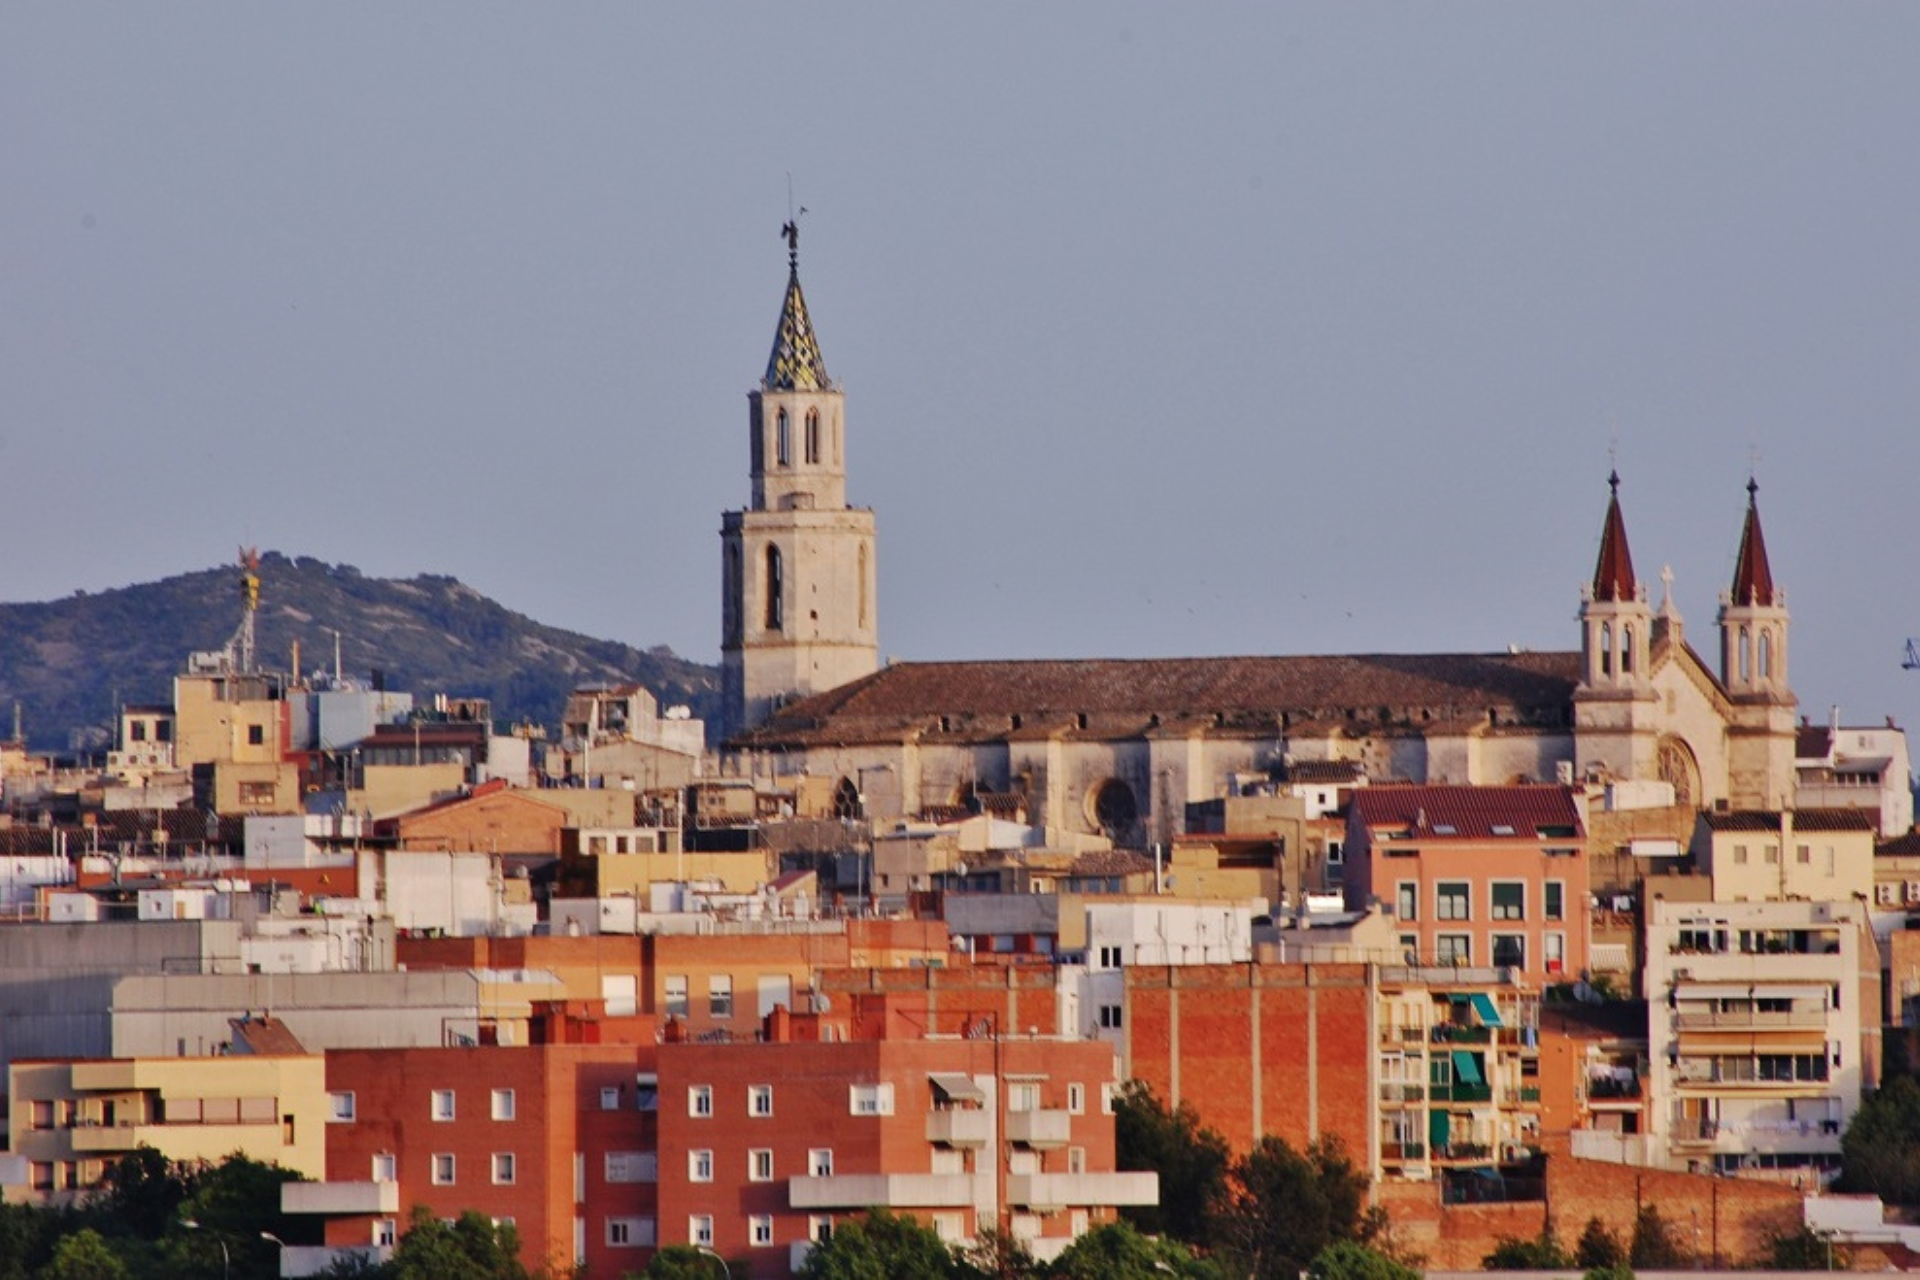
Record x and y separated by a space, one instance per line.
888 1190
1400 1151
1751 1020
106 1139
1463 1092
340 1197
960 1127
1039 1128
1073 1190
1454 1033
1610 1088
1396 1094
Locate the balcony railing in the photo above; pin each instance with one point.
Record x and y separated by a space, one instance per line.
960 1127
1750 1019
1403 1151
1039 1128
1458 1092
889 1190
1609 1088
1065 1190
1453 1033
1392 1094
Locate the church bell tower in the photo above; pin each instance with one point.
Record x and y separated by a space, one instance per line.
798 611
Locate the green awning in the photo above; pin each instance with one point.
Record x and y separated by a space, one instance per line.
1483 1005
1465 1069
1439 1129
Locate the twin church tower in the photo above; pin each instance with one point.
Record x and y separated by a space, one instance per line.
798 605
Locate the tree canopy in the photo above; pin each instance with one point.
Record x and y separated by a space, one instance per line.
1192 1162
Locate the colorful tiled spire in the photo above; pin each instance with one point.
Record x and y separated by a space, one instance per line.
795 364
1752 575
1613 576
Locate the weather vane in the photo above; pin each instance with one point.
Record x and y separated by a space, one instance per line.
790 230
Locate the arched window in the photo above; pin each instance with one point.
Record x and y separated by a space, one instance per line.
1766 654
776 611
813 437
1606 648
1626 649
730 605
1746 655
864 571
782 441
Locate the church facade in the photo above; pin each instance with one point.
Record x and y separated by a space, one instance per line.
1120 747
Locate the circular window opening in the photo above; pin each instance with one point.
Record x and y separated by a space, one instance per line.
1115 812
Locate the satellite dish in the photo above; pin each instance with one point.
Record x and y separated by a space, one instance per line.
819 1003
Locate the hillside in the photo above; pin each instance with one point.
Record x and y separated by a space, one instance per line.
68 661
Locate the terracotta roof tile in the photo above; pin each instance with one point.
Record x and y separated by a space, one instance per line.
1470 813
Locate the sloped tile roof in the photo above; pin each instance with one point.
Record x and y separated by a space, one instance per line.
1469 813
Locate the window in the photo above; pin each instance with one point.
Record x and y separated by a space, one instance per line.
1107 1092
813 436
1453 900
1509 900
776 615
1739 855
676 995
443 1169
760 1164
870 1099
1453 948
820 1162
1110 957
442 1104
340 1107
1023 1095
700 1228
1336 853
720 996
1555 952
630 1233
819 1227
782 440
1803 854
700 1165
700 1100
138 730
759 1100
503 1168
256 735
760 1230
1510 950
1406 900
1553 901
1110 1016
1770 854
1076 1099
1076 1159
503 1104
610 1097
385 1167
385 1232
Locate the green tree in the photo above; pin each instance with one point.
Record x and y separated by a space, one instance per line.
1655 1247
84 1255
998 1255
28 1236
1192 1162
1880 1153
140 1195
1542 1253
1351 1260
470 1246
1286 1206
1117 1251
1619 1271
1599 1249
1803 1249
234 1201
881 1246
684 1262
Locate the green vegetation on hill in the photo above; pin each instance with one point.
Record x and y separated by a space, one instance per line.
66 661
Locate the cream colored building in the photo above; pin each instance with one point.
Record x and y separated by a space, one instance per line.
1814 855
71 1120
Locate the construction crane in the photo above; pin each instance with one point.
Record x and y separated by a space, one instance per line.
1913 655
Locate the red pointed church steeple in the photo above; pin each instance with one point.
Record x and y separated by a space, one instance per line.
1613 578
1752 575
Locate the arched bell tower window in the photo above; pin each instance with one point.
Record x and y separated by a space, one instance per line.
1746 655
864 571
776 611
813 437
1626 649
782 440
1606 648
1766 654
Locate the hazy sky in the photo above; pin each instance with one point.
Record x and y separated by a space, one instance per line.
1166 329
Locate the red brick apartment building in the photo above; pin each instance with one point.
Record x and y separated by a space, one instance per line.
765 1146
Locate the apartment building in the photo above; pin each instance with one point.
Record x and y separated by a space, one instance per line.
1815 855
1475 876
1762 1031
765 1146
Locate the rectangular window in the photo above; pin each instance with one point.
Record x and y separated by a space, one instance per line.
1076 1099
503 1168
646 1091
1509 900
1023 1095
340 1108
870 1099
503 1104
256 735
700 1100
1770 854
760 1164
676 995
760 1230
1107 1091
820 1162
1076 1159
1110 957
441 1104
443 1169
1510 950
700 1165
1336 853
1110 1016
1555 952
819 1227
630 1233
1554 900
1453 948
385 1233
1739 855
1453 900
759 1100
1803 854
700 1228
1406 900
720 996
385 1167
610 1097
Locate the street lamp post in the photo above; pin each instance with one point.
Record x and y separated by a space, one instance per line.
226 1261
725 1270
